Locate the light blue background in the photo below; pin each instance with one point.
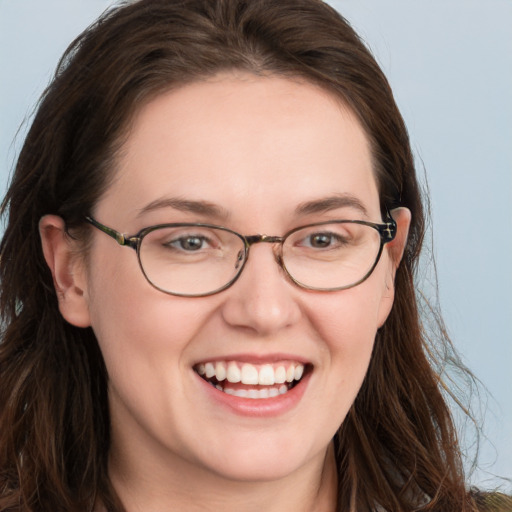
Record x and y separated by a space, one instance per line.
450 66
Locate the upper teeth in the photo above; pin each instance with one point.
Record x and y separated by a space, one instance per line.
246 373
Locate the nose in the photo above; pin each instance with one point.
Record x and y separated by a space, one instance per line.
262 300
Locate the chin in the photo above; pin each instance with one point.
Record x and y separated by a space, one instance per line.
262 461
270 470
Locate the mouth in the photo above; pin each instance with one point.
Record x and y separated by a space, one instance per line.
256 381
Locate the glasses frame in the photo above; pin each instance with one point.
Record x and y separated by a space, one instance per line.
386 230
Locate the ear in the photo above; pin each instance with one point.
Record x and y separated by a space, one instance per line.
402 217
67 268
395 248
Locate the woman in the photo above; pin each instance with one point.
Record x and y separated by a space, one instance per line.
188 375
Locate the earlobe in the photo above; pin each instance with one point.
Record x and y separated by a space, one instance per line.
67 270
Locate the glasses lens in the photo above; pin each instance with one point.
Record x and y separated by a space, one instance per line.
191 260
331 256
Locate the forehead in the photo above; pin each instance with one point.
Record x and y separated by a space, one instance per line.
242 142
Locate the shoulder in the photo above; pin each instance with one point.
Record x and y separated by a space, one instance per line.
492 501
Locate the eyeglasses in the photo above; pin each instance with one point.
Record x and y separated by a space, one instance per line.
195 259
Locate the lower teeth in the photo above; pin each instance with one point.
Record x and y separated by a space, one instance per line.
269 392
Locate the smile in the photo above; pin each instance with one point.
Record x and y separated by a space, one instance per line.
246 380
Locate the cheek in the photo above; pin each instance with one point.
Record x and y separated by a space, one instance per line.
353 315
347 323
145 337
138 327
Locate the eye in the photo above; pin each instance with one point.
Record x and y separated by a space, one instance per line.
320 240
190 243
324 240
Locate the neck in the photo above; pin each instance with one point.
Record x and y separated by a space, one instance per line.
181 486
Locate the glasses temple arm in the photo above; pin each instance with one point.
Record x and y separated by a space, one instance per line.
118 237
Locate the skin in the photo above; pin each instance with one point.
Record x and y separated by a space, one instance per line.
258 148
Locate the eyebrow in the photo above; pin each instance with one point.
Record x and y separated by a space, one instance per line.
208 209
331 203
204 208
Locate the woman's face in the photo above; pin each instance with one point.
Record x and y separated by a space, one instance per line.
258 155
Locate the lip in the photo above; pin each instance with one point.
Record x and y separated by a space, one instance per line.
260 407
256 359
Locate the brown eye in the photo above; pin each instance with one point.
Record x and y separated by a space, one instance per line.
320 240
325 240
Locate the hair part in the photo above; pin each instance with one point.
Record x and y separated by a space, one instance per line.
397 448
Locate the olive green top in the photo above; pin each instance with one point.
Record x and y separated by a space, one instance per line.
493 501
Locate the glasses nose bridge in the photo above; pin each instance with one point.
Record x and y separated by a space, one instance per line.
256 239
268 239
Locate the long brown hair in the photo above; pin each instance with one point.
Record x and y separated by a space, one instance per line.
397 448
